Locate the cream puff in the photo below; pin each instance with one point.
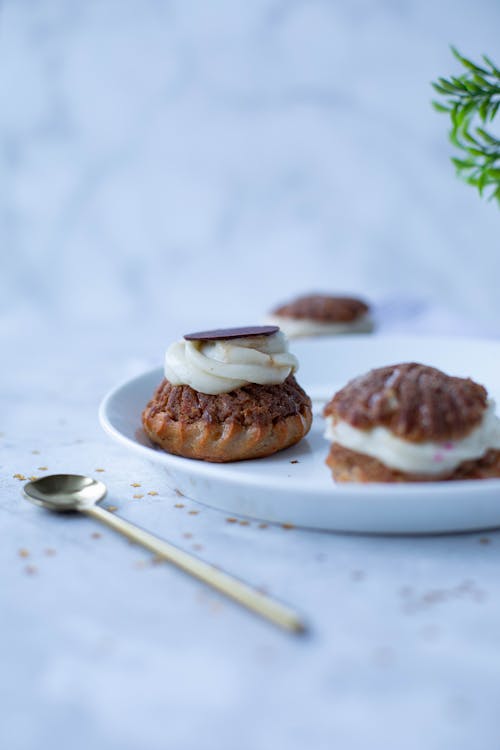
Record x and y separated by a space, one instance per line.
412 423
228 395
322 315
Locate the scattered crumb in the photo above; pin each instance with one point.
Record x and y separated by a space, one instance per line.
99 469
49 552
193 512
157 559
231 520
135 484
96 535
244 523
43 468
137 497
33 478
287 526
23 552
197 547
179 493
152 492
434 596
31 570
485 540
295 461
36 453
19 476
357 575
414 602
263 525
187 535
112 508
179 505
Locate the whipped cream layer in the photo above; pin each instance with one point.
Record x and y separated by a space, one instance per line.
429 458
220 366
298 327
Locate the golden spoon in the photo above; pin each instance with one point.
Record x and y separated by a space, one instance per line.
71 492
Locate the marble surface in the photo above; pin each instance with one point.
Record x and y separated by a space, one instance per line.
174 165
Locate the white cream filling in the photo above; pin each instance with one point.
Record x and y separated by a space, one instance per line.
221 366
299 327
427 458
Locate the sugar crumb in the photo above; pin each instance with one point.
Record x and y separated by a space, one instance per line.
357 575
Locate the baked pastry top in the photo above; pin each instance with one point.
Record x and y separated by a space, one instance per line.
323 309
415 402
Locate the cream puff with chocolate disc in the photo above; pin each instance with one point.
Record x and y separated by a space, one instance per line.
228 395
322 315
412 423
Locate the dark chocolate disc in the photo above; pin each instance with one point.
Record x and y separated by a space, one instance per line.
231 333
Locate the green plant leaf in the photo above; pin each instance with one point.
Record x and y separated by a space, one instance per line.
470 100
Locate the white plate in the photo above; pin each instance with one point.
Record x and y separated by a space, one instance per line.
276 489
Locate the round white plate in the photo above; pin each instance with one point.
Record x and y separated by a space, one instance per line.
295 486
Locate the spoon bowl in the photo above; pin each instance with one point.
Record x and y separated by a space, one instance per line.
65 492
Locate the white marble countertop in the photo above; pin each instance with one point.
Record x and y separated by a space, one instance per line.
170 166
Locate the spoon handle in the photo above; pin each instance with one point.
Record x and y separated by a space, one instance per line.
237 590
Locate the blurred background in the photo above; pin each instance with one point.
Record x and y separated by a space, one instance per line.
176 165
